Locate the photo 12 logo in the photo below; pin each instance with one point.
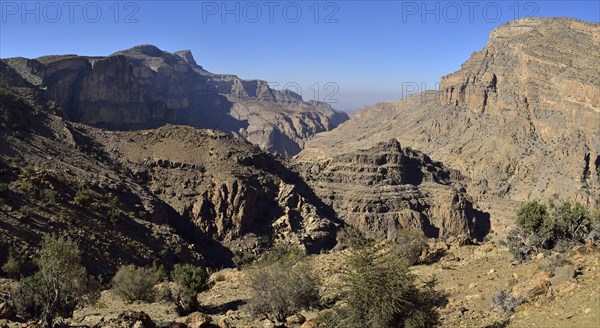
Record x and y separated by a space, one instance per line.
318 92
470 11
270 11
410 89
69 11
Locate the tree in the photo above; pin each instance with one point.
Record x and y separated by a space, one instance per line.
59 286
378 291
190 281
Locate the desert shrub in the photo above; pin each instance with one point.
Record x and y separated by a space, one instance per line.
115 202
280 291
531 215
58 287
17 161
133 283
408 246
85 197
282 284
378 291
3 188
553 226
190 281
241 258
220 277
48 196
506 301
282 253
12 267
27 172
349 237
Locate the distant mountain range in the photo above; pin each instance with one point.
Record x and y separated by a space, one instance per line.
145 87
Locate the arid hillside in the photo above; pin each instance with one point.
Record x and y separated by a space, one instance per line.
520 119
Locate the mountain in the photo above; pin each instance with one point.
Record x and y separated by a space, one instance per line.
169 195
520 119
145 87
386 188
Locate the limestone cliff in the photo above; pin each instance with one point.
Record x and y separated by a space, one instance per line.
520 120
385 188
145 87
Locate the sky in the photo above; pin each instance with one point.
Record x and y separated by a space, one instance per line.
348 53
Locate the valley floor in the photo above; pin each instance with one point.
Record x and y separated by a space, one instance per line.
558 290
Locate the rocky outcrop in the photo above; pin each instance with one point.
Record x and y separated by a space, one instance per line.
229 189
519 120
175 194
145 87
386 188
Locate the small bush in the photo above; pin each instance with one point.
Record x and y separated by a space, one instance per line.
220 277
282 253
190 281
4 188
28 172
241 259
350 237
545 227
17 161
133 283
85 197
48 196
12 267
280 291
408 246
506 301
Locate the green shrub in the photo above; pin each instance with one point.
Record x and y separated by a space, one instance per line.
282 253
4 188
12 267
190 281
133 283
58 287
378 291
545 227
85 197
531 215
350 237
48 196
17 161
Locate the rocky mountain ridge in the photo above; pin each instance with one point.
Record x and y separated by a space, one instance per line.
167 195
520 120
145 87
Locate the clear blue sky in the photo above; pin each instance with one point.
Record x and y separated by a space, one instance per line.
368 49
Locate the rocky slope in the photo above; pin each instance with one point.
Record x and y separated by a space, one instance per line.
168 195
521 119
386 188
228 188
145 87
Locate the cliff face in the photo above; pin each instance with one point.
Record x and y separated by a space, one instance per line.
174 194
520 120
145 87
229 189
385 188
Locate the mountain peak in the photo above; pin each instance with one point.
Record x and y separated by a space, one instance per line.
187 56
